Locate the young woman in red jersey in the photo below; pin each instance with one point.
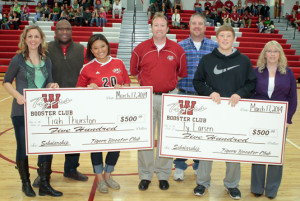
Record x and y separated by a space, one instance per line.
103 71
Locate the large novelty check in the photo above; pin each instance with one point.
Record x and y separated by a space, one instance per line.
88 120
197 128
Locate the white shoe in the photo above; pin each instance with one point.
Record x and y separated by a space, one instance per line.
102 187
112 184
178 174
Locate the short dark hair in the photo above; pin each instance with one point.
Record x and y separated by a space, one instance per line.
89 55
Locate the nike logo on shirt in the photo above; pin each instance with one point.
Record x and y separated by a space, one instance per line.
218 71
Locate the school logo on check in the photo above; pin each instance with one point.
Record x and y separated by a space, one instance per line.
187 107
52 101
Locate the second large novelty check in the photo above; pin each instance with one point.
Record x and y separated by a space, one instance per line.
88 120
197 128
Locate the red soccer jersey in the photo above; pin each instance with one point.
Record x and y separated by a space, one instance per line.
297 17
103 74
229 4
219 4
158 69
207 4
234 16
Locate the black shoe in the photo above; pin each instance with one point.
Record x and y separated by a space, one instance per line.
36 182
27 189
199 190
234 193
271 197
45 187
22 166
144 184
257 195
163 184
77 176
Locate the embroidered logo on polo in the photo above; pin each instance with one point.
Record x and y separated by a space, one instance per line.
117 70
220 71
170 58
97 73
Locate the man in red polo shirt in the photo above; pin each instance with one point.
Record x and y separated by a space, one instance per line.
160 63
228 6
213 7
198 7
207 5
219 5
225 16
246 19
295 9
235 18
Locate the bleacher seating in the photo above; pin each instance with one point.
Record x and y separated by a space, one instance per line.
248 40
9 39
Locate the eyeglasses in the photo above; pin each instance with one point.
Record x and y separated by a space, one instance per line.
270 51
64 29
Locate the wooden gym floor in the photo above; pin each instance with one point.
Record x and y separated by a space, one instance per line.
126 173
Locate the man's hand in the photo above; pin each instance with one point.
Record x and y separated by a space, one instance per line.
215 97
234 99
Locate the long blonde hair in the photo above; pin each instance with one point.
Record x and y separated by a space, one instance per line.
23 48
262 61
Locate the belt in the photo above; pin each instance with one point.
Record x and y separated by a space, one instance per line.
187 92
160 93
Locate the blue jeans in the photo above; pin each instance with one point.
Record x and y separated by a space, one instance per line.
238 23
255 12
55 17
94 20
19 127
211 21
102 21
240 11
198 10
6 25
261 27
37 16
180 162
110 161
26 16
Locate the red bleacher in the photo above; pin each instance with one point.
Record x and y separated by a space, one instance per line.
251 43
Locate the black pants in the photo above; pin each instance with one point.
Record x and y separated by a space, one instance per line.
19 126
78 20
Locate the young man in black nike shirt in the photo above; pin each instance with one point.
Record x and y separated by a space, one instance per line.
223 73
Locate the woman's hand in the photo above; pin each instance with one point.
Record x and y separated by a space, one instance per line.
52 85
287 125
92 85
21 100
117 86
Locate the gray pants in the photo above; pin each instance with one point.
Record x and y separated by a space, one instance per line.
147 163
232 179
258 176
